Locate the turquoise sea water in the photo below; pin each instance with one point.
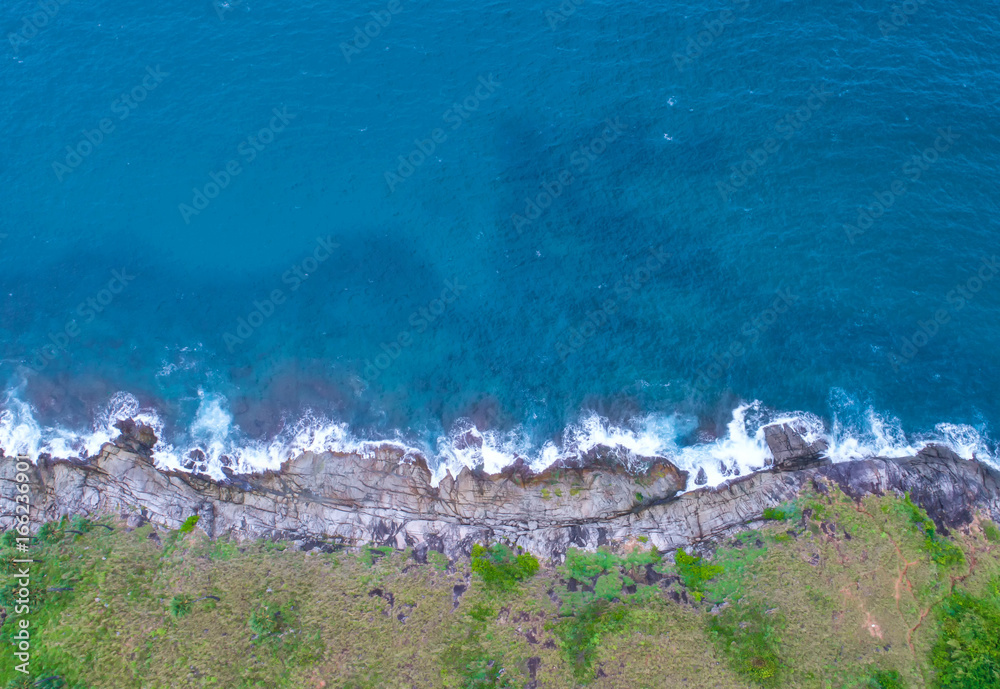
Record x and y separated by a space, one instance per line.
267 226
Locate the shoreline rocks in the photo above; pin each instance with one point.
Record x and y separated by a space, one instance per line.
385 497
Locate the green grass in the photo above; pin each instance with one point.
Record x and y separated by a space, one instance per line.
438 560
774 514
749 638
991 532
941 551
152 608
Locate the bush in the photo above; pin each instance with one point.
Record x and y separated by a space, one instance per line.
774 514
941 551
264 623
885 679
188 525
179 606
990 530
694 572
500 568
49 532
609 586
966 655
580 634
81 524
747 637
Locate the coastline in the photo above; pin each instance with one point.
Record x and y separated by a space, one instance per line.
386 496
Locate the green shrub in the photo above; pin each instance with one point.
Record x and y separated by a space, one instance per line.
748 638
991 532
9 539
481 612
500 568
608 586
81 524
941 551
967 655
694 572
580 634
583 566
188 525
49 532
774 514
885 679
264 622
179 606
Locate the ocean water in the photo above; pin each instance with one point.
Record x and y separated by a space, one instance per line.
493 230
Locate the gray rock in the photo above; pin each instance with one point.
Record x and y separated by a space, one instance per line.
385 496
790 449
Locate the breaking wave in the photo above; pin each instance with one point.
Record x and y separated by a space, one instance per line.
212 444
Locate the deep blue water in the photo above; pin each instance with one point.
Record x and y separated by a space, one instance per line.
704 243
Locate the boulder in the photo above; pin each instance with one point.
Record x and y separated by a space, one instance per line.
790 450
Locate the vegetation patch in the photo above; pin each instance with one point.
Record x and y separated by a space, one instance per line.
500 568
580 634
189 524
150 607
940 549
885 679
694 572
967 652
748 637
991 532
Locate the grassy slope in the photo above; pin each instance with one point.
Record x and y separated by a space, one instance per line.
838 594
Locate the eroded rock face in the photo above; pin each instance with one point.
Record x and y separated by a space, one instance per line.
790 449
937 479
386 497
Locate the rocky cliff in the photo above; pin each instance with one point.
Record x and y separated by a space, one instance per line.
385 496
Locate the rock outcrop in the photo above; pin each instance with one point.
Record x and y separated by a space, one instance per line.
385 496
790 449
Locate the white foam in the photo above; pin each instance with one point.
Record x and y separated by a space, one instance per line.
220 443
19 432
